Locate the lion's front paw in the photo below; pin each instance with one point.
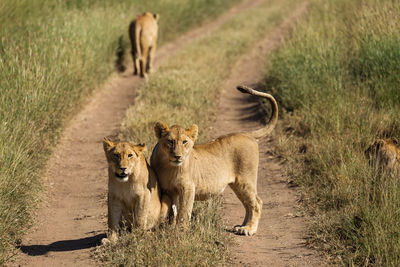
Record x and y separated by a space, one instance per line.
112 239
243 230
105 241
145 76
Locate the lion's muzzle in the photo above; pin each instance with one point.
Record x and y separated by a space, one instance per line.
177 160
122 177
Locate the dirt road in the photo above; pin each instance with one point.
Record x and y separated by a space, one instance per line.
72 219
280 240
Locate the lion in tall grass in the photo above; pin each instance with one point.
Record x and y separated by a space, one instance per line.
384 155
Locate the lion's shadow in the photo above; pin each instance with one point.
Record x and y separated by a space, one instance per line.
63 245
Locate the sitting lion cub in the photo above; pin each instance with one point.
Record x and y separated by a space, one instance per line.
384 155
189 172
133 192
143 32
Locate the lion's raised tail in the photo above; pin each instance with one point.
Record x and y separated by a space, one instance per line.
274 116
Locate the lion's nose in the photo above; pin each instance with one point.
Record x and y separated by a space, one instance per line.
122 169
178 157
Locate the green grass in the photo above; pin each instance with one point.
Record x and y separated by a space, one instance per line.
338 79
53 54
183 91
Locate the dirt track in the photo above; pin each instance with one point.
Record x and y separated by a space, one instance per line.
280 239
72 219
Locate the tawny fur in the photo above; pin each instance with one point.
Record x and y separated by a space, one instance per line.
189 172
384 155
143 33
134 198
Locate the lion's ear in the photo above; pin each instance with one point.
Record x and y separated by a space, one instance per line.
142 147
107 144
139 147
192 132
156 16
161 129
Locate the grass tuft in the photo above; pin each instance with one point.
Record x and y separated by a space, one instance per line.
202 244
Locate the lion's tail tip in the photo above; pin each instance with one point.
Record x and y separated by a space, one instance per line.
244 89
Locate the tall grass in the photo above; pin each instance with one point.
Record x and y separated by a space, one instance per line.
183 92
52 55
338 78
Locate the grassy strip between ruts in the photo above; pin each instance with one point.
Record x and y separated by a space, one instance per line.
183 92
338 78
52 55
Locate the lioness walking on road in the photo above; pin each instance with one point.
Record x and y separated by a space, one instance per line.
189 172
143 32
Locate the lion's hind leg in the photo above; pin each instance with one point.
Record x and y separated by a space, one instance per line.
253 206
150 61
136 64
143 61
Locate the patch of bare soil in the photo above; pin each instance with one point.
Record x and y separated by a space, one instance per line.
281 236
72 219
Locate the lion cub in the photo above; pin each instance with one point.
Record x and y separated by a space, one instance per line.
384 155
143 32
189 172
134 196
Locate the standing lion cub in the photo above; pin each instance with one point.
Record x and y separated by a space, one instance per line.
189 172
143 32
134 196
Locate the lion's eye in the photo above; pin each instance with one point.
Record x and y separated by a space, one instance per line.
170 142
184 142
117 156
130 155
